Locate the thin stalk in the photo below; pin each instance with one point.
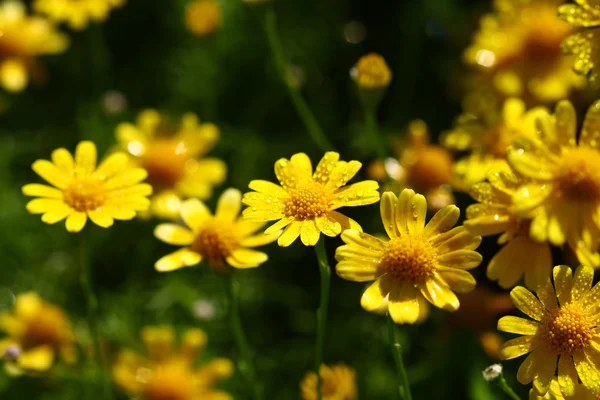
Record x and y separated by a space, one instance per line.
506 388
404 385
372 129
85 278
308 119
244 361
325 272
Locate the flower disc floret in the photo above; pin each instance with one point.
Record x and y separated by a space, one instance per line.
409 259
85 194
568 328
579 175
310 200
216 241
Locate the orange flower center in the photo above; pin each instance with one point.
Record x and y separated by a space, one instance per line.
215 241
499 139
432 167
171 382
409 259
85 194
308 201
46 328
546 32
165 162
579 178
568 328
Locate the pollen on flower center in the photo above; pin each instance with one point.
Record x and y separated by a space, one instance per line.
45 329
307 201
409 258
215 241
568 328
85 194
579 177
165 162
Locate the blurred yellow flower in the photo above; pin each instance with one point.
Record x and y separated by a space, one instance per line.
23 39
338 383
563 195
567 330
517 48
494 214
203 17
168 372
76 13
554 393
487 137
371 72
419 260
583 44
305 203
222 239
82 190
172 157
38 334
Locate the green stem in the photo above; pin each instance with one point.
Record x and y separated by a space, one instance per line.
325 272
404 386
506 388
373 131
244 362
302 108
100 375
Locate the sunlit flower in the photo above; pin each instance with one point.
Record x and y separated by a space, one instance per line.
76 13
222 239
39 333
487 137
493 215
82 190
563 196
554 393
517 48
173 158
584 43
371 72
567 330
203 17
305 203
167 372
419 260
23 39
338 382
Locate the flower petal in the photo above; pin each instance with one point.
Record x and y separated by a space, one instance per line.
290 172
39 359
437 293
525 301
357 271
63 160
342 173
178 259
387 207
269 188
246 258
42 205
587 372
174 234
279 225
344 221
539 264
35 189
101 218
359 247
112 165
442 221
328 225
563 283
517 347
567 376
520 326
411 211
462 239
229 205
547 295
531 158
582 282
458 280
86 155
534 363
310 233
589 131
530 195
375 295
324 168
290 234
357 194
403 305
194 213
463 259
126 178
259 240
506 266
51 174
76 221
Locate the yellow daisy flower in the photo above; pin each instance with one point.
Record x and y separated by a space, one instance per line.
172 157
169 373
338 383
222 239
566 329
563 196
517 48
487 137
81 190
554 393
203 17
371 72
38 334
494 214
419 260
76 13
583 44
24 38
305 203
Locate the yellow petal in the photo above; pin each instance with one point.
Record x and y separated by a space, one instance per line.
556 233
463 259
290 234
277 226
442 221
411 211
262 207
39 206
506 266
101 218
566 123
546 370
531 158
246 258
587 372
34 189
531 195
112 165
539 227
488 225
37 359
51 174
210 170
567 376
328 225
194 213
126 178
534 363
179 259
229 205
310 233
85 155
462 239
13 75
403 305
525 301
357 271
547 295
582 282
342 173
563 283
388 205
291 172
76 221
360 247
174 234
539 264
458 280
63 160
325 167
375 295
589 130
437 293
517 347
357 194
518 325
344 221
57 214
512 111
259 240
268 188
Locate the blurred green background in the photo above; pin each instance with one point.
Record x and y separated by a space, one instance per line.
145 52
